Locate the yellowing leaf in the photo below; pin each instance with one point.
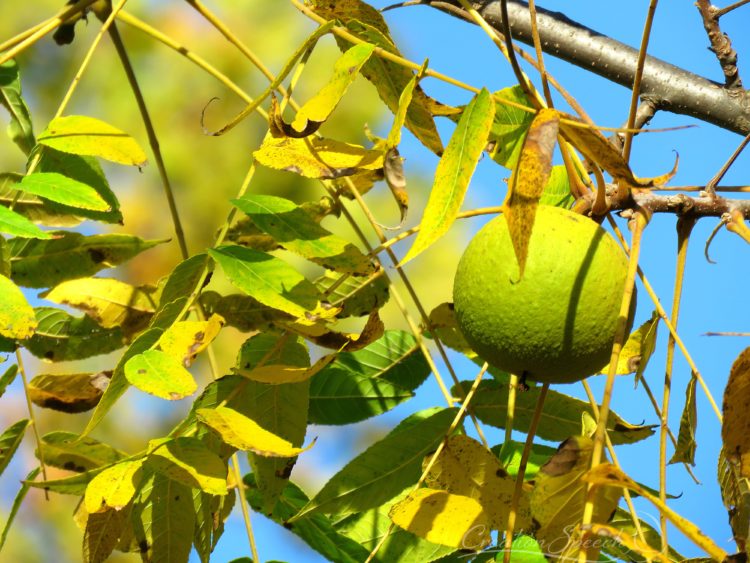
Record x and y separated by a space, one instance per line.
509 127
316 157
17 318
686 443
113 487
597 148
443 518
189 461
735 430
72 393
528 180
559 495
278 374
465 467
607 474
454 172
735 493
80 134
633 543
108 301
638 349
184 340
61 189
245 434
345 70
159 374
340 341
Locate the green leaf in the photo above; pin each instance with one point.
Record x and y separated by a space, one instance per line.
71 393
7 378
70 451
32 207
369 527
83 135
524 549
103 532
61 189
355 297
686 443
454 171
557 190
119 383
510 456
85 170
509 127
164 520
358 385
17 318
315 529
385 468
160 375
20 129
560 419
61 337
73 485
638 349
17 225
188 461
281 409
17 502
270 280
296 231
37 263
10 440
184 279
210 513
345 70
241 311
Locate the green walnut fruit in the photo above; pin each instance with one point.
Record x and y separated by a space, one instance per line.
557 323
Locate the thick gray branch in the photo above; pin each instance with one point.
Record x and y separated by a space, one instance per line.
668 87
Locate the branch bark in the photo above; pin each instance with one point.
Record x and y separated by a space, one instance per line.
664 85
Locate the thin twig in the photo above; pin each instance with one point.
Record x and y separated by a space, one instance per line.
731 7
240 484
638 76
522 471
711 186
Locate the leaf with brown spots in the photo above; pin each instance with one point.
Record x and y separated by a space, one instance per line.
73 452
735 430
184 340
528 180
46 263
161 375
71 393
17 319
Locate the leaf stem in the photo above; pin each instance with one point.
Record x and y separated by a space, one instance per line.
639 223
152 139
243 504
510 527
32 417
684 228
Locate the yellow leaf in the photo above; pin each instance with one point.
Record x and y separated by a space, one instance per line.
597 148
108 301
559 495
17 319
340 341
278 374
317 157
443 518
638 349
114 487
80 134
735 430
465 467
528 180
345 70
189 461
243 433
633 543
607 474
184 340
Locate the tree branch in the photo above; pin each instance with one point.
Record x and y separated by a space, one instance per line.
721 46
664 85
